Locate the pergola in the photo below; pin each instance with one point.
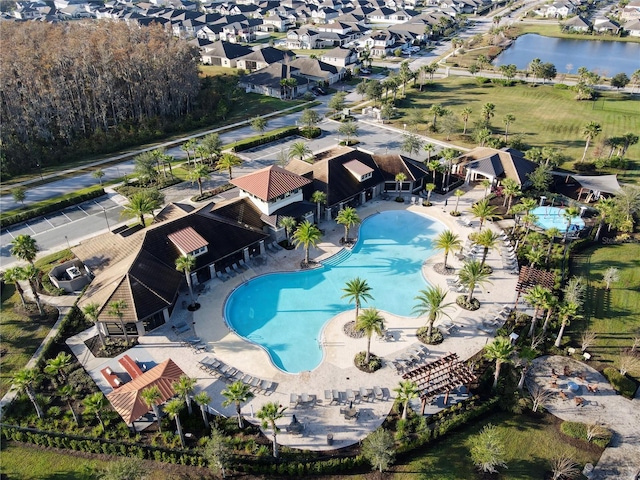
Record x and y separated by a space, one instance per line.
440 376
530 277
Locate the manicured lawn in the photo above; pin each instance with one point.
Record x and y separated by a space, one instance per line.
214 70
615 314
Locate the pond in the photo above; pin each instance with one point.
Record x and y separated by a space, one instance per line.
604 57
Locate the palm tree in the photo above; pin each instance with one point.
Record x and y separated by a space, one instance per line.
488 112
203 399
227 162
56 366
270 413
184 388
535 257
511 189
26 380
68 394
172 408
471 275
92 311
348 129
116 309
486 184
185 264
430 304
447 241
466 113
140 204
508 120
300 150
499 350
458 193
537 297
400 177
430 148
307 235
437 111
187 147
151 396
488 240
197 174
13 275
94 404
348 217
357 291
606 209
318 198
528 220
552 233
370 321
550 305
482 210
289 224
25 248
406 391
590 131
569 214
429 187
567 311
32 274
237 393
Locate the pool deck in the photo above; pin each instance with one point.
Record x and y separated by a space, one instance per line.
337 371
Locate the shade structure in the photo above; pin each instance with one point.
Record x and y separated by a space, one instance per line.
127 399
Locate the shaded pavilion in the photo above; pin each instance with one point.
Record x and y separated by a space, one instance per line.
440 376
529 278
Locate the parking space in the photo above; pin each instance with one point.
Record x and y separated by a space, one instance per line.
75 213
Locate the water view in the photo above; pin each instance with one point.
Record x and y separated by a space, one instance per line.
605 57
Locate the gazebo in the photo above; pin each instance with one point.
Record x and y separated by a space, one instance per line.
440 376
596 185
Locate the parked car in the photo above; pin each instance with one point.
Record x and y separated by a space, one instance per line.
318 90
365 71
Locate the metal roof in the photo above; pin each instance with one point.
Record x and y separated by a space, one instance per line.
270 183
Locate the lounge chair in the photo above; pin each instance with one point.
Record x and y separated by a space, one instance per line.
242 265
222 277
293 400
335 396
351 395
377 391
230 272
366 393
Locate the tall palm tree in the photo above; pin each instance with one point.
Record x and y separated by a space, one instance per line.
535 257
437 111
289 225
307 235
187 147
606 208
198 174
26 380
430 148
471 275
551 233
68 393
25 248
116 309
499 350
458 193
406 391
94 404
357 291
56 366
318 197
550 305
511 189
591 130
270 413
488 240
566 312
203 399
400 177
430 303
488 112
429 188
227 162
300 150
507 120
528 220
237 393
448 242
370 321
348 217
184 387
537 297
569 214
466 113
482 210
185 264
32 274
140 204
13 275
151 396
92 311
172 408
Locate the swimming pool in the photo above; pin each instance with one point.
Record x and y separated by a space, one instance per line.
549 217
285 312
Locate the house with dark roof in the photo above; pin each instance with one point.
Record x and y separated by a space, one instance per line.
224 54
341 57
495 165
267 81
318 71
264 57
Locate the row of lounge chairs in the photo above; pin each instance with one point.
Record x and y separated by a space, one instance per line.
232 271
302 400
411 358
231 374
196 344
494 321
509 254
273 247
465 222
354 396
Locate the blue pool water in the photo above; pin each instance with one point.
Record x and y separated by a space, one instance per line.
549 217
285 312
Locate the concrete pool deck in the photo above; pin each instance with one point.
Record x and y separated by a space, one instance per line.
337 371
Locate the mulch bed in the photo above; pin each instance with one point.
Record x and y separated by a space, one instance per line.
439 268
349 329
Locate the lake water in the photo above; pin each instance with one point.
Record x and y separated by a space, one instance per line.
606 58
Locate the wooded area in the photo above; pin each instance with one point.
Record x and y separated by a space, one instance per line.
73 82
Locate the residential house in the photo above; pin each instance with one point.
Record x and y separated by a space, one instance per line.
633 27
263 57
577 24
604 25
495 165
303 39
318 71
341 57
224 54
631 11
268 81
382 42
275 23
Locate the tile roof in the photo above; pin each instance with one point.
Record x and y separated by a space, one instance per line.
358 168
269 183
187 240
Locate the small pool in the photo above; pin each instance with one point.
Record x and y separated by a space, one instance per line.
550 217
285 312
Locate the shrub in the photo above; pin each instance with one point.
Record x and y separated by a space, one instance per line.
461 301
585 166
374 362
598 435
622 384
248 143
482 80
561 86
435 339
313 132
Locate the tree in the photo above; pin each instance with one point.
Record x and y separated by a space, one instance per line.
537 297
405 74
202 399
611 275
569 214
510 189
535 257
98 174
145 167
500 351
361 88
187 147
486 184
563 467
212 145
548 71
541 178
507 120
430 148
151 396
488 112
482 136
92 311
116 309
488 240
430 303
218 452
378 449
429 188
483 210
458 193
68 394
337 102
482 60
447 241
406 391
19 194
411 143
125 469
33 274
487 450
509 71
471 275
591 130
13 275
185 264
56 367
300 150
289 224
348 129
94 404
310 118
620 80
307 235
270 413
184 387
237 393
288 87
387 112
25 248
259 124
348 217
197 174
400 177
370 321
26 380
466 113
437 111
318 197
535 68
574 290
172 408
374 91
449 124
140 204
227 162
357 290
566 312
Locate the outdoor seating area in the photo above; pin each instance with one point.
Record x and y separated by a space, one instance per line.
509 253
230 374
414 356
493 321
302 400
195 343
465 222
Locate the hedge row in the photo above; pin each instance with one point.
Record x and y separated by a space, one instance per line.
623 385
248 143
71 200
73 322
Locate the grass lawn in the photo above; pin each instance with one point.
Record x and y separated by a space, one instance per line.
545 116
615 314
549 30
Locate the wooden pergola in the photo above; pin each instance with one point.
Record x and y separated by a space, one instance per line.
440 376
530 277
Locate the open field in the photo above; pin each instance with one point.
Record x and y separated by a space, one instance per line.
615 314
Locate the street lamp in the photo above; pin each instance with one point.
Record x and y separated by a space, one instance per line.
68 246
106 218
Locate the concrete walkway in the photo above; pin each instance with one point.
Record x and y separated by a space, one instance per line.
621 459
